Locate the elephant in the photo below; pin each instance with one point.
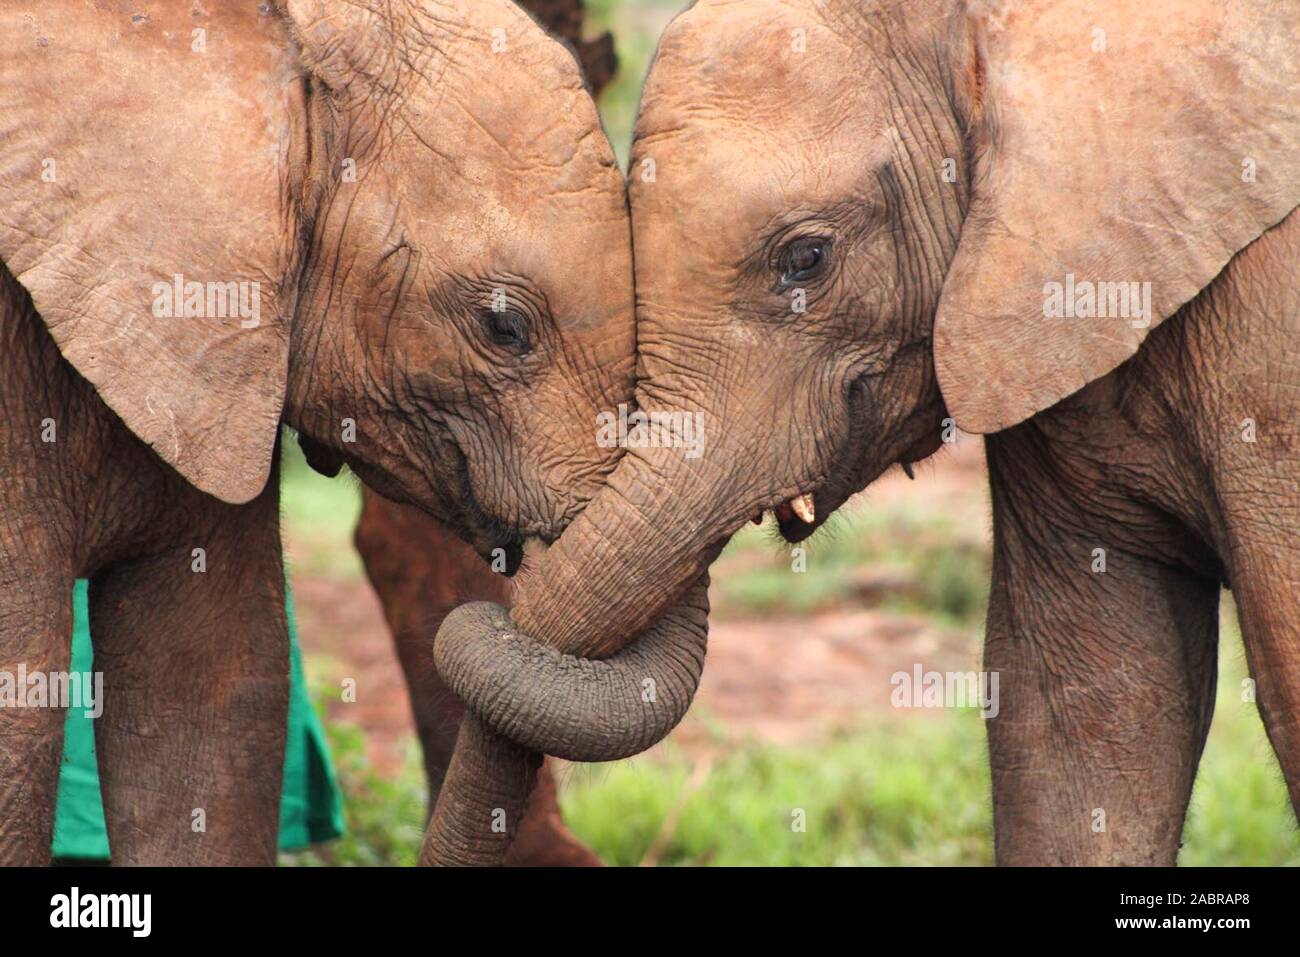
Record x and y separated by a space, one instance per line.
357 219
1070 227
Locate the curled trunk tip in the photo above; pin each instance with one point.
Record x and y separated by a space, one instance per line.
580 709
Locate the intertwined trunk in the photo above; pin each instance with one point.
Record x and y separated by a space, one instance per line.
561 672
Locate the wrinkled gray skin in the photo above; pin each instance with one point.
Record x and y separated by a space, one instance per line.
524 698
917 173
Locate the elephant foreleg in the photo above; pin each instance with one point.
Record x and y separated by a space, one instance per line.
193 646
1266 586
1106 691
35 636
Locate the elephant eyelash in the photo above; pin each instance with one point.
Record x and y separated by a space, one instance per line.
508 329
508 313
790 262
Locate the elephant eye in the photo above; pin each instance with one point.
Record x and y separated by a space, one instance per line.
508 329
803 260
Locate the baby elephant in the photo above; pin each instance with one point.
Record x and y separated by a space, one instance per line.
1072 224
395 226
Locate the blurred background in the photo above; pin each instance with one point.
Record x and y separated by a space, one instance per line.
794 713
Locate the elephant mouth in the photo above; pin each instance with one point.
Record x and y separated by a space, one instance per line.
801 516
798 517
851 468
498 543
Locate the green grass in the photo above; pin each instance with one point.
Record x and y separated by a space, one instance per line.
1240 813
911 793
896 791
940 573
906 791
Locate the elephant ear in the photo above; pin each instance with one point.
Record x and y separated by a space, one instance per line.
142 154
1115 141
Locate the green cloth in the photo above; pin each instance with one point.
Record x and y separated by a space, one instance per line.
311 808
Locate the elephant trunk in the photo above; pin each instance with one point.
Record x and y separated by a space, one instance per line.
579 709
482 800
634 563
654 528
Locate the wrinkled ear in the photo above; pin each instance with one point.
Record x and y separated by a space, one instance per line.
1115 142
143 165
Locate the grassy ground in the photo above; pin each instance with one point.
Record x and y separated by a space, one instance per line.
905 792
916 559
900 788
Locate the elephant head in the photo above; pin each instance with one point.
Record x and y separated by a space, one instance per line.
856 209
848 219
396 226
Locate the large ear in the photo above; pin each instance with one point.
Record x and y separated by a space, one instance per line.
145 149
1115 141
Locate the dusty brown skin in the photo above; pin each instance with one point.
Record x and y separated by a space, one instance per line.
825 171
921 172
421 321
421 572
565 19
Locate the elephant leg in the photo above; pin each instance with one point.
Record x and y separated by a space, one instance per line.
1106 682
194 649
421 572
35 638
1264 586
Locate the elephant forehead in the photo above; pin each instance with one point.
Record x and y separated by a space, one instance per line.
744 177
520 222
481 161
488 87
765 63
747 115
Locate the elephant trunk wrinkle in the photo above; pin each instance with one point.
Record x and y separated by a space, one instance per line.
525 698
574 708
583 676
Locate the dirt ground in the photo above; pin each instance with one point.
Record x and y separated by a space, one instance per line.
773 680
